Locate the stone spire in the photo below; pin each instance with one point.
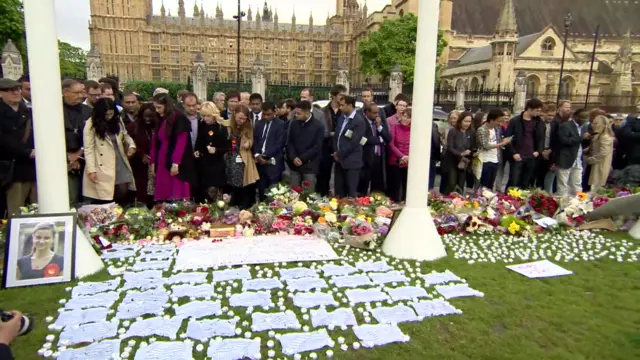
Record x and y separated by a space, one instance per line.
163 12
181 12
507 25
293 21
249 14
326 24
258 19
203 16
196 12
365 9
265 13
12 67
275 20
219 14
626 49
310 21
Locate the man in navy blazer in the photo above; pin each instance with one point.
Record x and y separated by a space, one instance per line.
268 144
348 141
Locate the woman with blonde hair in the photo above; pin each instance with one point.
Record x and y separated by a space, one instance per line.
43 261
242 173
212 144
600 152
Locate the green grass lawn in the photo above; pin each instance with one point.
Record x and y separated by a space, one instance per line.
592 314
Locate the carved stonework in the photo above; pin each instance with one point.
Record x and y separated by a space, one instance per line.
460 91
199 77
11 61
520 93
95 69
343 78
395 82
258 80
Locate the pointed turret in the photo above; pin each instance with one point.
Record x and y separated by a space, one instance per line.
203 15
249 14
310 20
365 9
219 14
326 24
163 12
275 21
293 21
507 26
258 19
196 11
181 12
265 13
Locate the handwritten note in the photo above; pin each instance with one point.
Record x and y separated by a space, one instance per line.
546 222
256 250
539 269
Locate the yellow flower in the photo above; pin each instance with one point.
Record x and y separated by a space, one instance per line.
368 219
330 217
582 196
117 210
476 204
299 206
514 228
516 193
333 203
362 217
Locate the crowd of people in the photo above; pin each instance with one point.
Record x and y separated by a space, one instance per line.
121 147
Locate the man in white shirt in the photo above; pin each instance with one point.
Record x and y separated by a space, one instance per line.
190 101
255 103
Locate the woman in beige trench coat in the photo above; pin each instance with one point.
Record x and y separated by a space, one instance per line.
107 146
600 152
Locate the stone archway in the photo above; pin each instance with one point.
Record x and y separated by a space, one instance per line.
567 87
533 86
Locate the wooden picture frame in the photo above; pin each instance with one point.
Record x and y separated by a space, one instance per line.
40 249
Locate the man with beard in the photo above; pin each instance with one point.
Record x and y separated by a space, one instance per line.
25 85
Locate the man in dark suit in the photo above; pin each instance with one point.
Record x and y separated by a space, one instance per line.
568 157
377 137
233 99
269 139
332 115
348 141
255 103
304 146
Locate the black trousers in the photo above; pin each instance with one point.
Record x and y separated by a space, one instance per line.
269 176
542 168
323 178
372 174
346 181
243 197
489 173
398 183
456 179
521 173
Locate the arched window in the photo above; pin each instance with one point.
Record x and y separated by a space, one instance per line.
533 84
566 88
548 45
401 13
475 84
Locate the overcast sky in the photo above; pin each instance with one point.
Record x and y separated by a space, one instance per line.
72 16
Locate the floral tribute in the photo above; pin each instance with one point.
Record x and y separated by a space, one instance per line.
363 220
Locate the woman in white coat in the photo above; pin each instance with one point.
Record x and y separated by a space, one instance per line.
107 146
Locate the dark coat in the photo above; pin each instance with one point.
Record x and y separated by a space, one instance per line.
457 143
305 142
16 141
179 124
347 142
211 167
74 119
436 143
630 139
569 142
275 141
516 129
382 139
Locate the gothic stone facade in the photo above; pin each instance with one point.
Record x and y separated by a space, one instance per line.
136 44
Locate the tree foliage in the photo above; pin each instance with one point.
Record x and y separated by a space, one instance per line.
12 25
72 61
145 88
394 43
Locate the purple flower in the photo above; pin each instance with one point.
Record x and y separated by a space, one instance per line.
383 230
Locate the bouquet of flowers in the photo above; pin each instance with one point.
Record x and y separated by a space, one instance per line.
359 233
543 204
515 226
283 194
573 213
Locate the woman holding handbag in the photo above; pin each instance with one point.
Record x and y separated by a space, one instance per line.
459 153
242 173
600 154
107 147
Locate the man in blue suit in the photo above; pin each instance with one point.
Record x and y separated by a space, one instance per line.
348 141
268 144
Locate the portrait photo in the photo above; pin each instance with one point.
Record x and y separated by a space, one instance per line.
40 249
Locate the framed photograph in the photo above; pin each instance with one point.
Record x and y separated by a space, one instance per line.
40 249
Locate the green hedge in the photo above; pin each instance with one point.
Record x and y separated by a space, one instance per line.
282 92
145 88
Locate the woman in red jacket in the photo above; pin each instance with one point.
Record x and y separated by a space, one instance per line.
399 156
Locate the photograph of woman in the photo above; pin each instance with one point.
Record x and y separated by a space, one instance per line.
41 260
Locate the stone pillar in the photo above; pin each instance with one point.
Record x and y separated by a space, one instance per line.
395 83
460 91
520 93
199 77
343 78
11 61
258 80
95 70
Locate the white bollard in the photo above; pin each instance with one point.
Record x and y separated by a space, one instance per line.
48 124
414 235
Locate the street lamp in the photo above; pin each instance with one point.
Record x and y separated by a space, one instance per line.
567 24
238 18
